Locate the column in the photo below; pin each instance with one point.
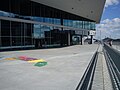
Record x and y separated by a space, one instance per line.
69 39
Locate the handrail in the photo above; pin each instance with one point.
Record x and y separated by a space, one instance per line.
86 81
112 67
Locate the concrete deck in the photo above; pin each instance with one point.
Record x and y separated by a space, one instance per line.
63 72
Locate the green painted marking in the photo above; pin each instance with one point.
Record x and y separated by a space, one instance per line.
40 64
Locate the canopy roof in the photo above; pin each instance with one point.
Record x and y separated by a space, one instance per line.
90 9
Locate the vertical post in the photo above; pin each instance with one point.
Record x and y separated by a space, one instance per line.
0 35
68 38
91 39
10 34
61 22
100 35
21 33
81 36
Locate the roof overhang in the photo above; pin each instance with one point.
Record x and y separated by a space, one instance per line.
90 9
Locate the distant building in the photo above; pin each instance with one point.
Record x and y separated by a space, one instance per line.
116 42
45 23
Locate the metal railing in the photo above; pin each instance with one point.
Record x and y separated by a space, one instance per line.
87 79
112 57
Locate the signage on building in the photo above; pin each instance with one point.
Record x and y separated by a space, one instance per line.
81 32
91 32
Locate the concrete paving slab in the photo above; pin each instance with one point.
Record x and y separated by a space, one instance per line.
63 72
98 81
107 80
101 79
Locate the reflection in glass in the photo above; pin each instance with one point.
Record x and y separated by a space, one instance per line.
5 41
16 41
5 28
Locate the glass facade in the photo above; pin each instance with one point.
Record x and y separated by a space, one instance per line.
79 24
66 22
20 34
15 33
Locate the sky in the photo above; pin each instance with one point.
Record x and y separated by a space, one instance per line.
110 22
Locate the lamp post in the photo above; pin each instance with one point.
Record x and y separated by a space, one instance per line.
100 35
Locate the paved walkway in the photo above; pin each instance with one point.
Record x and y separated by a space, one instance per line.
101 79
117 47
63 72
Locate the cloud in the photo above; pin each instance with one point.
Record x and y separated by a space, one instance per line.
111 2
108 28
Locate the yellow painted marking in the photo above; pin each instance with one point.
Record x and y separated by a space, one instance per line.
10 59
38 60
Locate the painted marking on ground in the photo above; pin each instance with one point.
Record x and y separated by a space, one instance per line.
40 64
10 58
25 58
38 60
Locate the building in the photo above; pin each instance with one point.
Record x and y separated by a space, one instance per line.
46 23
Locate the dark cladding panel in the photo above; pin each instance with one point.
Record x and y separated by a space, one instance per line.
36 9
26 8
5 5
15 6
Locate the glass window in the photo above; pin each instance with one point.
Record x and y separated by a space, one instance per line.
22 41
54 21
28 41
68 23
39 19
65 22
71 23
6 14
28 29
92 26
37 31
42 31
22 29
0 34
16 41
75 24
5 41
5 28
80 24
16 28
50 20
85 23
58 21
46 20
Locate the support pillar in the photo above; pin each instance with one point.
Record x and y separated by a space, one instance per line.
69 39
91 39
81 36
